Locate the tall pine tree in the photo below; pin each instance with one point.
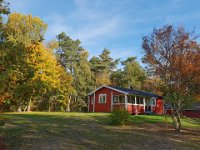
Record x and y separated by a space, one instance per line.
75 60
102 67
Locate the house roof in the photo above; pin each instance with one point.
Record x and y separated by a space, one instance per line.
196 106
128 91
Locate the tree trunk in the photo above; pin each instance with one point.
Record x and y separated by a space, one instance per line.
29 106
25 108
177 121
165 116
49 109
68 105
19 109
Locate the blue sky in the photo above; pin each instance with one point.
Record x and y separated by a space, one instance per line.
117 25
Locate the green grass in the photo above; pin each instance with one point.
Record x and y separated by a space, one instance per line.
155 119
57 130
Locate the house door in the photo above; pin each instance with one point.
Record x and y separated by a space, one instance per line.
148 106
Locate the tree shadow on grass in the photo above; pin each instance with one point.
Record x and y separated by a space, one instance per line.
36 131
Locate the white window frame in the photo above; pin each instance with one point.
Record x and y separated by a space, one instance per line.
140 97
123 98
117 99
132 100
105 98
153 101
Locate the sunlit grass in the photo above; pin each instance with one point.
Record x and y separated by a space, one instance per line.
153 119
58 130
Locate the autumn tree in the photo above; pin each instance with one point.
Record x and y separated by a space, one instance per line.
152 83
49 82
22 29
3 11
30 71
19 31
174 54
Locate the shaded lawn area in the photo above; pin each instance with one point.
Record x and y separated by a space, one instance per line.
57 130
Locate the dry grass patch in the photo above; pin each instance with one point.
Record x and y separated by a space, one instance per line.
93 131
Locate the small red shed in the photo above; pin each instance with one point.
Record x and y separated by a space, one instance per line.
106 98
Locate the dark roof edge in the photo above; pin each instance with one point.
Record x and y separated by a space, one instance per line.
127 91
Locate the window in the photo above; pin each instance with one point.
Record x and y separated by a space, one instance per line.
147 101
140 100
115 99
118 99
131 99
153 101
121 99
102 98
137 100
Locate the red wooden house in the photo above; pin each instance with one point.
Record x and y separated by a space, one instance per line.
106 98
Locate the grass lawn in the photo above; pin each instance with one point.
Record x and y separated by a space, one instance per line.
57 130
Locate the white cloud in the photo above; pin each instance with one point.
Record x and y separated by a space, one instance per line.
56 25
116 25
89 32
85 22
92 32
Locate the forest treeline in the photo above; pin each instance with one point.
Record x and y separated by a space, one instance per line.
58 75
54 76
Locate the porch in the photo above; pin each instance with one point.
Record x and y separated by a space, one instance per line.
134 104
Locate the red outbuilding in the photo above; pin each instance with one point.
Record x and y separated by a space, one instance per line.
106 98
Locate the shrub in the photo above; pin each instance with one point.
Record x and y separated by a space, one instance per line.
2 123
119 117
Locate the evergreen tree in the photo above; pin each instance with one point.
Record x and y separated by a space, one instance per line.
132 75
102 67
75 60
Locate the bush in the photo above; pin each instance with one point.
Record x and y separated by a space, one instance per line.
2 123
119 117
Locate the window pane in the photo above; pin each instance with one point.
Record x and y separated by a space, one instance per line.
102 98
121 99
133 99
141 100
138 100
115 99
147 101
154 102
129 98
